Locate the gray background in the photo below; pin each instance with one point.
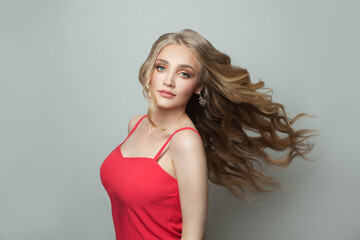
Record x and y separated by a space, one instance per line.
68 72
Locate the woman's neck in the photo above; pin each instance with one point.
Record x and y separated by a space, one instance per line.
167 118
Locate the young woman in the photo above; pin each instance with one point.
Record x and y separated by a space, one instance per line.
197 127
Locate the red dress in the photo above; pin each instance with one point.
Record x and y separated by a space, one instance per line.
144 198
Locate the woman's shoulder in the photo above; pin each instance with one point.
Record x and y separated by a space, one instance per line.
187 135
134 120
187 144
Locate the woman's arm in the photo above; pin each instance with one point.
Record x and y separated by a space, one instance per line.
189 160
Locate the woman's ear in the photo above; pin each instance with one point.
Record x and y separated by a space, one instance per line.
198 89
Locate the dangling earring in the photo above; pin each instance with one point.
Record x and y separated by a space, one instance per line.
146 91
202 100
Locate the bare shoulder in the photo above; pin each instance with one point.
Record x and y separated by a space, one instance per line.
133 121
187 145
186 138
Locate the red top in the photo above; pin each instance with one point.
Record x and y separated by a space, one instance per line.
144 198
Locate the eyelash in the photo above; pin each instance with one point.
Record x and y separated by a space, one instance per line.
183 74
159 66
187 75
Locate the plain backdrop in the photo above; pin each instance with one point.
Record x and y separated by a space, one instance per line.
68 75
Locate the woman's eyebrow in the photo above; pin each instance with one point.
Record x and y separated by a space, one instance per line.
181 65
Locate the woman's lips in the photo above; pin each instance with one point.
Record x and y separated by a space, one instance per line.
166 94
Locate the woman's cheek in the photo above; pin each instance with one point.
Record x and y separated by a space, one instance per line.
188 89
155 78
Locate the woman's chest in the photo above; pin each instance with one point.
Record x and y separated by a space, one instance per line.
137 180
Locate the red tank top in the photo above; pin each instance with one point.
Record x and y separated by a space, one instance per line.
144 198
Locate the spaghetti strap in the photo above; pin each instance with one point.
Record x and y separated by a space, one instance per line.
163 147
132 130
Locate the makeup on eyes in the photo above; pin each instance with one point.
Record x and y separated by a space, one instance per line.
159 66
181 66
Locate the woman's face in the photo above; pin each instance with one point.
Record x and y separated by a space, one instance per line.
175 77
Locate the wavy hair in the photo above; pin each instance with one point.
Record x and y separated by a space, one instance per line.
239 122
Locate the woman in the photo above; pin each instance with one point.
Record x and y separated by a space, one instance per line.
197 127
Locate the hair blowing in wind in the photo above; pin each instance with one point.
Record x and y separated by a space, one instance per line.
239 122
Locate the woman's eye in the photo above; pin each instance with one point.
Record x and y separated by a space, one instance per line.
185 75
160 68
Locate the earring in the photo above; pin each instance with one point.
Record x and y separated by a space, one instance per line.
202 100
146 91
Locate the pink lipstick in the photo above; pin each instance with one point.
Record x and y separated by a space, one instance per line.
167 94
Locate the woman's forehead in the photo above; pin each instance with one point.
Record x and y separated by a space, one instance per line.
177 54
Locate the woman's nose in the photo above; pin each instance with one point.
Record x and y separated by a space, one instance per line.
169 80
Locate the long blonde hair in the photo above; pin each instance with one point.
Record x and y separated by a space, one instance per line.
238 122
